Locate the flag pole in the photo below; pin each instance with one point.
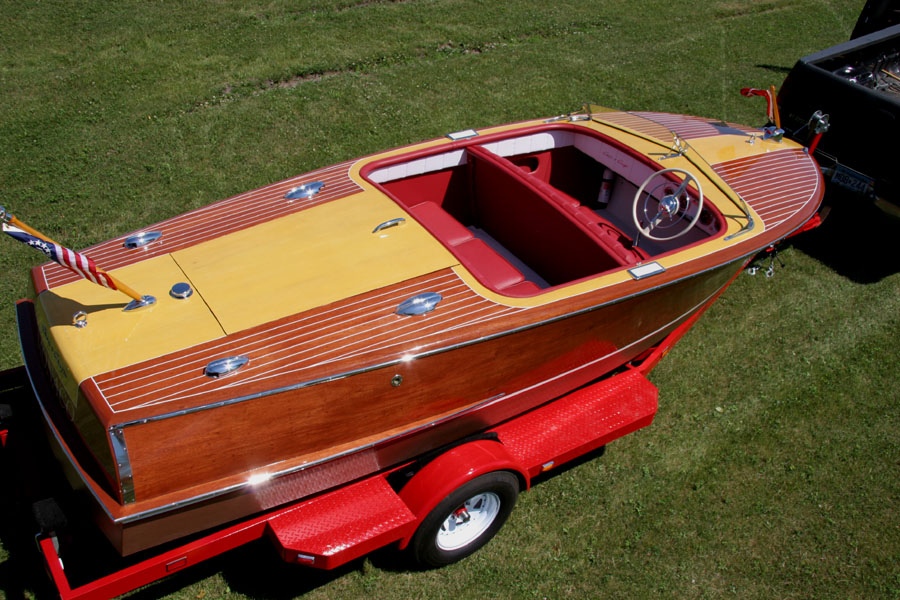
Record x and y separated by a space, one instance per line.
775 107
8 217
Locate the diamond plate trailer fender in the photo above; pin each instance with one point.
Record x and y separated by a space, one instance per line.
452 469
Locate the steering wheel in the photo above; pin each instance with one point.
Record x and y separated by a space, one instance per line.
674 201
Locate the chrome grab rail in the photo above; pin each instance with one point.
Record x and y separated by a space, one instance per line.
389 224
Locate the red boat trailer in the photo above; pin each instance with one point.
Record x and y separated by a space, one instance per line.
335 527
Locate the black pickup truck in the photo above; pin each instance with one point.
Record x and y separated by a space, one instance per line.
857 84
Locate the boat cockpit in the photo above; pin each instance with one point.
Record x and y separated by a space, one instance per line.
549 207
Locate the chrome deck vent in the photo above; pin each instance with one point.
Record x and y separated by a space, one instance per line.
306 190
419 305
225 366
142 239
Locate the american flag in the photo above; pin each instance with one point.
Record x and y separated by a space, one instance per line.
76 261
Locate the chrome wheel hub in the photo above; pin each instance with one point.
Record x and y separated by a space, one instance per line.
465 524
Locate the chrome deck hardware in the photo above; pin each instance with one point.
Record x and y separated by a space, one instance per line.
775 134
420 304
181 291
306 190
79 319
646 270
461 135
389 224
225 366
135 305
142 239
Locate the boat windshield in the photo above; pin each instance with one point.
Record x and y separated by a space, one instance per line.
642 124
672 132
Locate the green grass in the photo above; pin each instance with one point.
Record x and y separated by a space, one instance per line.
772 468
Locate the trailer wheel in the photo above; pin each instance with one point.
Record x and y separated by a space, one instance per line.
465 520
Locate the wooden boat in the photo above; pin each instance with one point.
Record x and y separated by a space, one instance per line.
347 320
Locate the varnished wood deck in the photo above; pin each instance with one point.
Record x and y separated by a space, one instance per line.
220 218
777 185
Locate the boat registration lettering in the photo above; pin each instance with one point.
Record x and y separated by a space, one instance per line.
651 268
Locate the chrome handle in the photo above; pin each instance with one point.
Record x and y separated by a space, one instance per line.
389 224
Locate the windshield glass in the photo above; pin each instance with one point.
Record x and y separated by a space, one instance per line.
672 132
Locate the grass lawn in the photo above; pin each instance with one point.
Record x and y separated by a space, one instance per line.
773 467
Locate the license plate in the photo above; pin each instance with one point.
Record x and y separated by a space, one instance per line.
851 180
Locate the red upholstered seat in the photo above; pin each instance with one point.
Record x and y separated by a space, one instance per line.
523 288
558 196
533 227
587 216
488 266
440 223
616 243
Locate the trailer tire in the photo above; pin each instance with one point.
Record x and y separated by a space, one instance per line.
465 520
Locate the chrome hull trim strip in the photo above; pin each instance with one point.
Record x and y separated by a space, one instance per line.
123 464
407 358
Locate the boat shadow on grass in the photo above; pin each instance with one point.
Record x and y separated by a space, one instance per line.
254 570
856 240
